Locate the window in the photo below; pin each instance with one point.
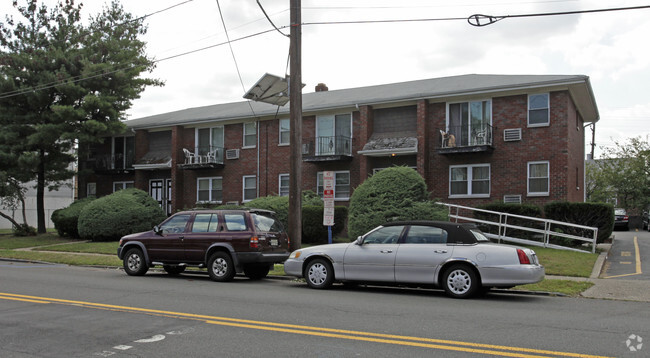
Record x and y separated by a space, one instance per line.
235 222
285 136
469 181
119 185
209 141
175 225
426 235
123 149
250 187
205 223
538 110
91 189
384 235
469 122
209 189
341 185
538 178
283 187
250 135
334 135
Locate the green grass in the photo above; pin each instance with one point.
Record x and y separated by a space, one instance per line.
63 258
106 248
18 242
566 263
570 288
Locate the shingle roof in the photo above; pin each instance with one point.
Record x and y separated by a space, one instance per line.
463 85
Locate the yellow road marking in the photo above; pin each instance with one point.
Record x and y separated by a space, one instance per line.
637 257
316 331
626 253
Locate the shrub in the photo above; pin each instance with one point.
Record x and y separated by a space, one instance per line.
121 213
66 220
598 215
24 230
313 230
515 209
397 193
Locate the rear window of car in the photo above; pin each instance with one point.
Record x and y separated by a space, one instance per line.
266 223
479 235
619 211
235 221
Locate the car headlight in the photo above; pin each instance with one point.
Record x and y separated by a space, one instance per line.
296 254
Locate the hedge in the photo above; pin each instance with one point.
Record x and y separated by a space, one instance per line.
66 220
313 230
598 215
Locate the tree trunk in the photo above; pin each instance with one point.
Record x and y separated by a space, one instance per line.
40 194
13 222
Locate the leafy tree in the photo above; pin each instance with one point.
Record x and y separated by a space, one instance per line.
63 82
624 173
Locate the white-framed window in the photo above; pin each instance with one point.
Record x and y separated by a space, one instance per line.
469 122
538 178
538 110
91 189
209 141
209 190
119 185
249 186
250 135
341 185
285 128
334 134
283 185
469 181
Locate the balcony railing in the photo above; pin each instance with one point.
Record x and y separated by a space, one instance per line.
203 157
461 139
327 148
111 162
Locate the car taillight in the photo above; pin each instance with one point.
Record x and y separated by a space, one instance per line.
523 258
254 243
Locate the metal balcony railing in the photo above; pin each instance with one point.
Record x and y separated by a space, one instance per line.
466 136
204 155
113 162
326 146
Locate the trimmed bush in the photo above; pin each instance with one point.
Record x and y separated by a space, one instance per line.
121 213
598 215
397 193
66 220
313 230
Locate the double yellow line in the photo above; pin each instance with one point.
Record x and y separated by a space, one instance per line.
432 343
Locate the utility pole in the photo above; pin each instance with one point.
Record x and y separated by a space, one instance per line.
295 131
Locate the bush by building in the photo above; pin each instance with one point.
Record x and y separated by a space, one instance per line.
598 215
66 220
313 230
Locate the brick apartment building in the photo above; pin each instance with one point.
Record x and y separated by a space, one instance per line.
473 138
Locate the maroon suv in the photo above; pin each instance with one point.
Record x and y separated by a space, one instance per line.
225 241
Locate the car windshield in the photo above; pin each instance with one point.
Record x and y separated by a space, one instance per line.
479 235
619 212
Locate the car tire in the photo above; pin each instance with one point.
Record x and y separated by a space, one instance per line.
173 270
135 263
220 267
460 281
319 274
256 272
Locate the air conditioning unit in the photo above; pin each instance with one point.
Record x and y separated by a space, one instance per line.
232 154
512 199
305 148
232 203
511 135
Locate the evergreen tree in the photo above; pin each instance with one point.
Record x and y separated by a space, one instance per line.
63 82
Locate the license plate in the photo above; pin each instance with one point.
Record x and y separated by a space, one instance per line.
273 242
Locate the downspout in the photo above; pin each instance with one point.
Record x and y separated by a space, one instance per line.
257 186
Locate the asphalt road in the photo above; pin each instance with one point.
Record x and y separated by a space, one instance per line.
61 311
629 257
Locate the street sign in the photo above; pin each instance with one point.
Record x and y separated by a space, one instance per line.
328 198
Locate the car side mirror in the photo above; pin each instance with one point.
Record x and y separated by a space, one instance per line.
359 241
157 230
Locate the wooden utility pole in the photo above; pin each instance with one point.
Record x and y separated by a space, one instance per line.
295 132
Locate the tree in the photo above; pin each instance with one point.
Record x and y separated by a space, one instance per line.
623 174
61 83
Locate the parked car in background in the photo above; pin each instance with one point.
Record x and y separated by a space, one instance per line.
225 242
456 257
646 221
621 220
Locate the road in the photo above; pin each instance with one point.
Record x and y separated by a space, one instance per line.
62 311
629 257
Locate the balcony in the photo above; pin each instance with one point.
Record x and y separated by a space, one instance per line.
466 139
110 163
203 157
327 149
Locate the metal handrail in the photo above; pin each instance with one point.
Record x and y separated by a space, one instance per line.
503 226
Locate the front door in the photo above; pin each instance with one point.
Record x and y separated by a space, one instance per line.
374 258
161 191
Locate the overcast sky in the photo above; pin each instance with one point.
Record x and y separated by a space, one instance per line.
610 47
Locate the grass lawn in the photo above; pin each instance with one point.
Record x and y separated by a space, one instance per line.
566 263
17 242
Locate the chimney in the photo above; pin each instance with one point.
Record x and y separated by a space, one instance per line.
321 87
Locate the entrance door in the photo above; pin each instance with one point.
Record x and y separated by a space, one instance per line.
161 191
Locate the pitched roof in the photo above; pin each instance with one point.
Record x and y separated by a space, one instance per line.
444 87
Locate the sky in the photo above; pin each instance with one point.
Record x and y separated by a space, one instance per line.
609 47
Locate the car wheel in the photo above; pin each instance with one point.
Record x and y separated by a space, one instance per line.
134 263
319 274
173 270
256 272
220 267
460 281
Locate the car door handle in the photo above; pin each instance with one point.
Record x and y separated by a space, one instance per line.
181 237
440 251
386 251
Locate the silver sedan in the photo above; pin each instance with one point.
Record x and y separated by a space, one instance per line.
456 257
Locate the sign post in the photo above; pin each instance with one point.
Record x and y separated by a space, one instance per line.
328 203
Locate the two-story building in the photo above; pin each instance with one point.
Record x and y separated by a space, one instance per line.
473 138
